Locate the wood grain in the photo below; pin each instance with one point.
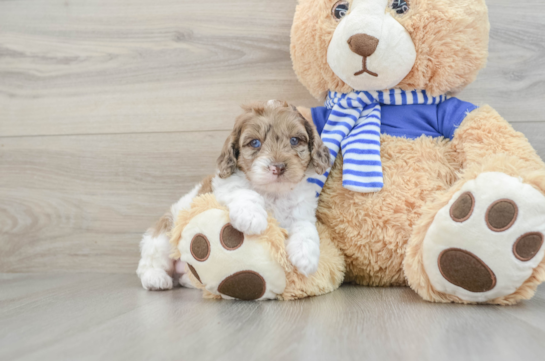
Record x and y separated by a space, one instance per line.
111 110
109 317
119 66
514 80
128 66
81 202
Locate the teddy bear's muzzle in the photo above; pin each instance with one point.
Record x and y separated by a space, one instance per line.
365 46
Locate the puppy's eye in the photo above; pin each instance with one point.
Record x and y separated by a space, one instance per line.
294 141
340 9
255 143
400 6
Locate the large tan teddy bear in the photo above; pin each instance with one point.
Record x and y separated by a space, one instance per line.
426 190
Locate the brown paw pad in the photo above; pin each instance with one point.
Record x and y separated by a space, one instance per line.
463 208
194 271
501 215
244 285
465 270
527 246
200 247
231 238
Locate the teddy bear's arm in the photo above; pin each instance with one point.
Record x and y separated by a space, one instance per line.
485 134
482 221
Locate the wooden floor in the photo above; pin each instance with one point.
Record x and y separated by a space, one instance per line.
109 317
112 109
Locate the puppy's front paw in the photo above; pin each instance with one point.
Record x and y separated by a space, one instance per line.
156 280
248 218
304 254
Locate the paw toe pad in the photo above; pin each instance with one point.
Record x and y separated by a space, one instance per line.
231 238
501 215
527 246
200 247
462 209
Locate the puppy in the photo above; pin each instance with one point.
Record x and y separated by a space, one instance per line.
263 167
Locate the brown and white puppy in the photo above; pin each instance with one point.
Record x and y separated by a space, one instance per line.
263 167
274 146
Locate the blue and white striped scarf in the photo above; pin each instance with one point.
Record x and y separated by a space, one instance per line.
354 127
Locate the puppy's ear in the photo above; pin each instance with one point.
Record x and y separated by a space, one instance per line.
319 153
227 161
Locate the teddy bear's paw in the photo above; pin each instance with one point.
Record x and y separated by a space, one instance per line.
488 240
228 263
155 279
248 218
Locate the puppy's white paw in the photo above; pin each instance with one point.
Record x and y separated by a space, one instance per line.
248 218
156 279
304 254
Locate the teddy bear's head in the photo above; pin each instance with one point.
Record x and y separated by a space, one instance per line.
433 45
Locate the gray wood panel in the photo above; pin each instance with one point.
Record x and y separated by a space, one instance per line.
514 80
119 66
69 67
109 317
82 202
111 110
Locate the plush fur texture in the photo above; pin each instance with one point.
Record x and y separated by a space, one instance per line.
484 143
450 37
372 230
381 234
331 266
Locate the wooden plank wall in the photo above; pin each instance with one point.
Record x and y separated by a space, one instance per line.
112 109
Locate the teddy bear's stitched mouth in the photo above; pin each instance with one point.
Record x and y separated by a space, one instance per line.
365 69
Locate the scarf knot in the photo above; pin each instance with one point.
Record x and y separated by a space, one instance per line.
353 127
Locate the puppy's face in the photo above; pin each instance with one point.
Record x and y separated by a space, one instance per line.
274 146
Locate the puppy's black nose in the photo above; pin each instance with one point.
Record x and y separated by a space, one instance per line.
363 44
278 168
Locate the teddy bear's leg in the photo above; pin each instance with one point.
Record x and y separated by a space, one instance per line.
482 240
226 263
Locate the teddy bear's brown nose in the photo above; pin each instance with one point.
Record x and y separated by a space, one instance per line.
363 44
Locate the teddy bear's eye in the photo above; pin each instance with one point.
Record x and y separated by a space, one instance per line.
400 6
340 9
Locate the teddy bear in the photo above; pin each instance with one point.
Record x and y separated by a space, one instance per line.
425 190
